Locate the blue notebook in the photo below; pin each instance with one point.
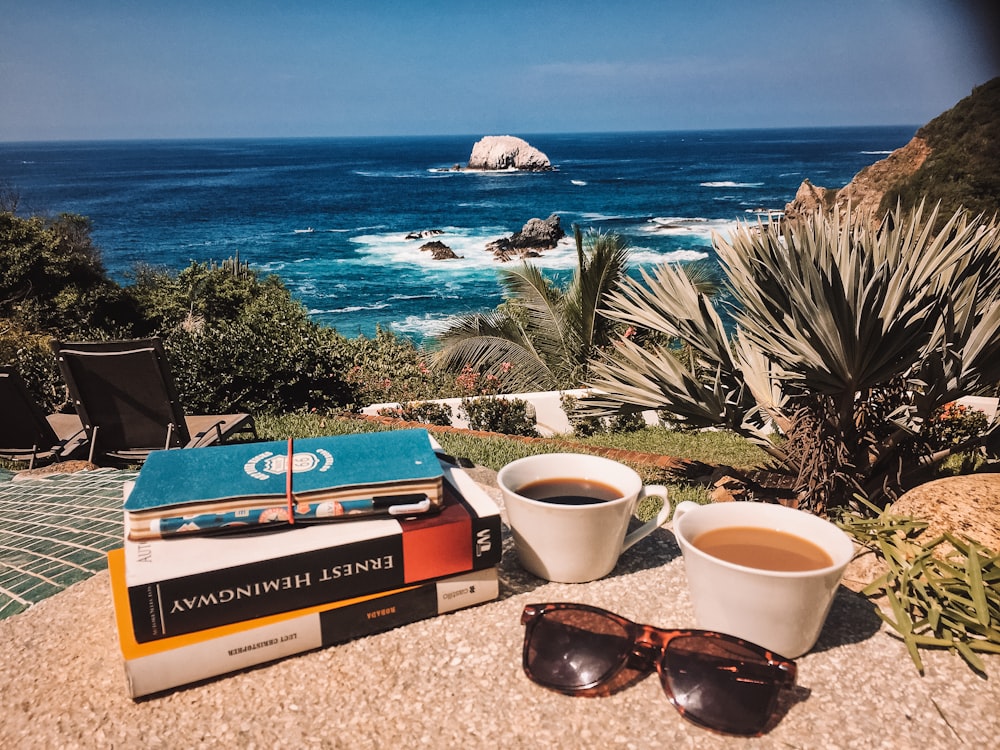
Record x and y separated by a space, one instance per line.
325 478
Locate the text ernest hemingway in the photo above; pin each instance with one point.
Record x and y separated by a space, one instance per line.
281 583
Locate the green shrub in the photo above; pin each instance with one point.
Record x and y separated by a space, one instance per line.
955 424
421 411
52 278
510 416
239 341
30 355
391 369
586 424
272 358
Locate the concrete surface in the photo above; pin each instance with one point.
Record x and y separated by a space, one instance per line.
456 681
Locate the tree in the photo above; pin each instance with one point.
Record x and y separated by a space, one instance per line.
847 338
544 336
236 340
52 278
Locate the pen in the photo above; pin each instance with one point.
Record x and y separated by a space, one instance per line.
303 512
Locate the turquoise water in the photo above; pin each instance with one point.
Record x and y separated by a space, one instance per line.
330 216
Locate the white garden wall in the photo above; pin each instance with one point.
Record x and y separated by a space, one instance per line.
550 419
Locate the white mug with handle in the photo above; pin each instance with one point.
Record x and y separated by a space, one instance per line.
781 610
580 542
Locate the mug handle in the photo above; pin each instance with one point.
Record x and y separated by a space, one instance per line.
684 507
650 526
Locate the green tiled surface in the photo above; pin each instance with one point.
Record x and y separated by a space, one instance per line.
55 531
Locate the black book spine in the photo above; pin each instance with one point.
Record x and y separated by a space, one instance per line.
219 597
378 615
487 545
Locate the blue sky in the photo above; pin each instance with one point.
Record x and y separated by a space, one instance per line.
109 69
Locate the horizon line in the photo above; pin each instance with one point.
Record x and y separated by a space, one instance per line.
525 135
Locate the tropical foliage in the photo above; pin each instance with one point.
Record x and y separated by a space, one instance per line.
544 336
846 338
235 339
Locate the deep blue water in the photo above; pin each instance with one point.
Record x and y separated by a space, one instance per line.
171 202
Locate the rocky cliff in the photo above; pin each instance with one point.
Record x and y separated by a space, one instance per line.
864 193
954 159
496 152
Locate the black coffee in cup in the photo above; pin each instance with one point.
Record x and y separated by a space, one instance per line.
569 491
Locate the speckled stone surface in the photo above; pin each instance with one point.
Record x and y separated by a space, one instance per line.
967 505
456 681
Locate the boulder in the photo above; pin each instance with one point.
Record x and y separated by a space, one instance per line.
496 152
438 250
535 236
809 199
966 506
423 233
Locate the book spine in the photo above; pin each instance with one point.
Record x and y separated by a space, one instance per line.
487 534
486 540
456 541
217 655
175 606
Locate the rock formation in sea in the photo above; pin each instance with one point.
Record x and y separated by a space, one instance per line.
536 236
496 152
424 233
439 250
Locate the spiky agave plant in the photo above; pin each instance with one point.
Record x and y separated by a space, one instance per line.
846 336
544 335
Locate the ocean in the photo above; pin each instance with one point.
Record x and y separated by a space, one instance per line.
330 216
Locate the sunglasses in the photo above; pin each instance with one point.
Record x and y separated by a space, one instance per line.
715 680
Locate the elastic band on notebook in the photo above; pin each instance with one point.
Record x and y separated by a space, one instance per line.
288 485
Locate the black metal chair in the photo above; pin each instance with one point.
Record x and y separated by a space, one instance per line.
26 432
125 396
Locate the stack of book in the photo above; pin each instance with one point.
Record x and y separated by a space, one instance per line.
241 554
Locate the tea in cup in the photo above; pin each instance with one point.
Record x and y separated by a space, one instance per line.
762 572
569 513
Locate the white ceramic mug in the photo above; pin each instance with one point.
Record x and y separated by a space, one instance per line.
574 543
779 610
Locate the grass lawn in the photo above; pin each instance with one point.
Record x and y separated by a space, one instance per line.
711 447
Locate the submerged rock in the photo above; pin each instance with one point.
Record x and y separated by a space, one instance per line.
535 236
438 250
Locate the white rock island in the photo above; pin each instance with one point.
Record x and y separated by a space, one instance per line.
498 152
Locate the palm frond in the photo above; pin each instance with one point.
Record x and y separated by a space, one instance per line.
650 379
601 273
666 300
495 343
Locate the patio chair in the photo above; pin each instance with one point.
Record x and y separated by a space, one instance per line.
26 432
125 396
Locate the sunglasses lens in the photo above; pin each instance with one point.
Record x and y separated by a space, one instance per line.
574 649
721 684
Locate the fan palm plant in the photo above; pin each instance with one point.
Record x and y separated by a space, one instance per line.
544 335
846 337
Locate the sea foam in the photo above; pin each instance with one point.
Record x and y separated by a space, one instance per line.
731 184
